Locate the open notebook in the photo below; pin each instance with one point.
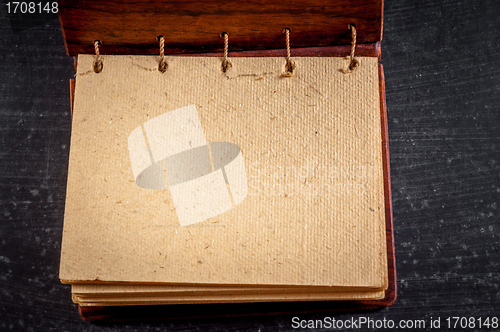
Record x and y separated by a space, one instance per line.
198 186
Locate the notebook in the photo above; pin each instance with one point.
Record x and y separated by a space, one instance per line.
202 186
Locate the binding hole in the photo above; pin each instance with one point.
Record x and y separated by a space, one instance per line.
162 66
98 66
354 64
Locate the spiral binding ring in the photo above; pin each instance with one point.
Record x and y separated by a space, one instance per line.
97 62
162 63
226 65
353 62
290 65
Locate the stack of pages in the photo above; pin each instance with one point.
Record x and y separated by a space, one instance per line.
199 186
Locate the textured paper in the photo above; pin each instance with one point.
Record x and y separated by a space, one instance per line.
313 213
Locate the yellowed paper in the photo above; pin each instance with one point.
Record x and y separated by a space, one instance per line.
266 180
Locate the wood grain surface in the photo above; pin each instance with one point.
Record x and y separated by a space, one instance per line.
131 27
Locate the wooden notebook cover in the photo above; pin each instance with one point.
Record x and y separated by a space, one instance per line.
131 27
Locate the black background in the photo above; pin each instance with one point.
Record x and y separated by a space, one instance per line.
442 65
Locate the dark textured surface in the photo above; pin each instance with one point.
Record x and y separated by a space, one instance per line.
442 65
